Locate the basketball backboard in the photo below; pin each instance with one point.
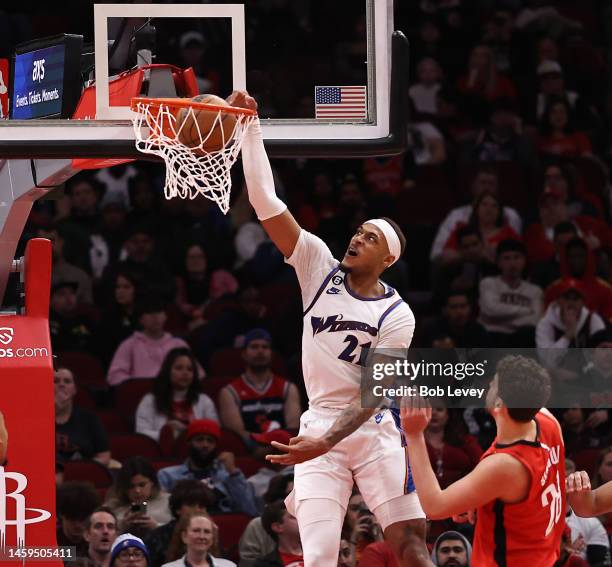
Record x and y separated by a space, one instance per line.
321 72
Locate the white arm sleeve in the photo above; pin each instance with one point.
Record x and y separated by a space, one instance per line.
258 175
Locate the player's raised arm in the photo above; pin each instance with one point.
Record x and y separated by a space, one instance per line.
278 222
584 501
497 477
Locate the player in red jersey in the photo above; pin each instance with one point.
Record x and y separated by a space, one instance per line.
518 487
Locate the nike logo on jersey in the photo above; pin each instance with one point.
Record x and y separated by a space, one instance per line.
334 324
333 291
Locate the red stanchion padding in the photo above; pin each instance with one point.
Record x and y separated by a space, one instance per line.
27 479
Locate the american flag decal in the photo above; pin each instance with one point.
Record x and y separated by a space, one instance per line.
341 102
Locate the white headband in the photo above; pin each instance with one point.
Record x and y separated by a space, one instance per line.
393 241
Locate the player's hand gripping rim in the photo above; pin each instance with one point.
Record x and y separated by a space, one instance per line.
415 414
578 481
299 450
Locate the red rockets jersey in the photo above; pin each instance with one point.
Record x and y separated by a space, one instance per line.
528 532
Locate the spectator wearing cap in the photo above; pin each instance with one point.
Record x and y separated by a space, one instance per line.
193 48
552 84
129 550
485 180
578 262
187 497
557 134
176 399
552 210
510 307
61 269
70 328
260 481
452 549
216 470
282 527
567 323
141 355
259 400
79 434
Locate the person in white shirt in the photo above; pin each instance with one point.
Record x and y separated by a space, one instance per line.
423 93
510 307
347 311
485 180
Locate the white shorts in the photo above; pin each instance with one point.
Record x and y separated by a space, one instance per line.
372 457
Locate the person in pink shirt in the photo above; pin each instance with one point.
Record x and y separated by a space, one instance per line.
141 354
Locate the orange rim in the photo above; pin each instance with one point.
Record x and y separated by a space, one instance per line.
176 103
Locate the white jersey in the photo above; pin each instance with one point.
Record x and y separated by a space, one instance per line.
339 325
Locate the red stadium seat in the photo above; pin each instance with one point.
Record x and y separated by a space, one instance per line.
231 442
84 399
128 395
228 362
586 460
213 385
87 369
134 444
231 527
112 421
88 471
428 202
157 465
248 465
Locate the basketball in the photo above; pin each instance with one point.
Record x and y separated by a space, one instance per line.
208 125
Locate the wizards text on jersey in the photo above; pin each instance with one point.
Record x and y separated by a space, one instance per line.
335 323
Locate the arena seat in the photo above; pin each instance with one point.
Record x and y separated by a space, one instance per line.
128 445
112 421
231 442
586 460
228 362
128 395
87 369
248 465
212 385
88 471
84 399
231 528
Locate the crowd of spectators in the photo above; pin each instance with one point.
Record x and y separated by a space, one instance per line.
186 324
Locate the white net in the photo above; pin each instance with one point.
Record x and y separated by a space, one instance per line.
197 162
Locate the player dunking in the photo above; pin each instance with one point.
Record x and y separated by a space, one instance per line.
347 309
518 487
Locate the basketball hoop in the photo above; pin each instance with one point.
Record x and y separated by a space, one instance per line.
199 143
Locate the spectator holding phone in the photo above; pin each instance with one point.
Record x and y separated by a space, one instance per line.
136 498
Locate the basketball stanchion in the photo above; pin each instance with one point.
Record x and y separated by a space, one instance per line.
199 140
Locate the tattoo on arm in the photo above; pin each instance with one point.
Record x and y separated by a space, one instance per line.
348 421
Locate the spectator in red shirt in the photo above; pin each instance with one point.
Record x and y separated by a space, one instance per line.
557 135
283 529
488 217
483 80
577 262
554 210
259 400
